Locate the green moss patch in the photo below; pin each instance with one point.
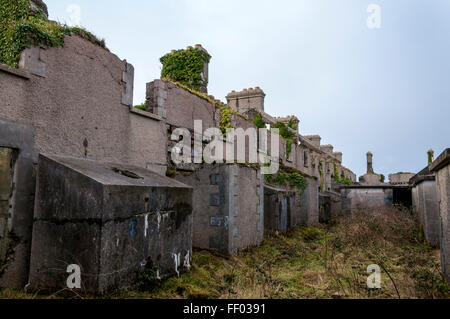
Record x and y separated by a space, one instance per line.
21 28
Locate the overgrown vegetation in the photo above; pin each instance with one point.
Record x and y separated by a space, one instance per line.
287 134
340 179
141 107
382 178
430 157
258 121
21 28
310 262
294 180
186 67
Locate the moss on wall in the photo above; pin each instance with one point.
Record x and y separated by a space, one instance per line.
21 28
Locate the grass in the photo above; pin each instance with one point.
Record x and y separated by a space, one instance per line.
328 261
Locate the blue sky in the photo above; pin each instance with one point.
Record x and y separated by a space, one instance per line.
385 90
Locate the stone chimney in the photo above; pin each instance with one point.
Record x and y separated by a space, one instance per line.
338 155
314 139
370 163
327 148
246 100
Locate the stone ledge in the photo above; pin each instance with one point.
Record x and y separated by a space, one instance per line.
17 72
442 161
145 114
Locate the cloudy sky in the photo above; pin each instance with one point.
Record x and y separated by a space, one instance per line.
384 89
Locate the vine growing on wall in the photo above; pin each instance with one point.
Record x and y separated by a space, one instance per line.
430 157
294 180
258 121
340 179
186 67
22 28
287 134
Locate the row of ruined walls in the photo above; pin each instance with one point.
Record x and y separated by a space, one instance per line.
77 101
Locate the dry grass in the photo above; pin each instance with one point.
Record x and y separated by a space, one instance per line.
314 262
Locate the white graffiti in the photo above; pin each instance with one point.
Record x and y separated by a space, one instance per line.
187 260
177 259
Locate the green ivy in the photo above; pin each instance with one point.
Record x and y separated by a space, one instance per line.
430 157
258 121
287 134
294 180
186 67
293 124
340 179
141 107
21 29
322 179
225 118
382 178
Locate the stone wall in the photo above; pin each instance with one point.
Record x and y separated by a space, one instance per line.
441 166
356 198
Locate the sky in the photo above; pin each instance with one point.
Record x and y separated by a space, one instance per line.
384 89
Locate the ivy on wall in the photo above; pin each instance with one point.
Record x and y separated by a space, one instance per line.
21 28
186 67
294 180
287 134
258 121
430 157
340 179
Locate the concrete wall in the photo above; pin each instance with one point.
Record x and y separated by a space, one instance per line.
72 100
426 204
76 105
361 198
112 220
309 211
19 217
441 167
228 207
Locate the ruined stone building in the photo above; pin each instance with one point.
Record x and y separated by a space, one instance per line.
88 179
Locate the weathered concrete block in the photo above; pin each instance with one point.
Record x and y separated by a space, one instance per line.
309 203
16 202
112 220
228 207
